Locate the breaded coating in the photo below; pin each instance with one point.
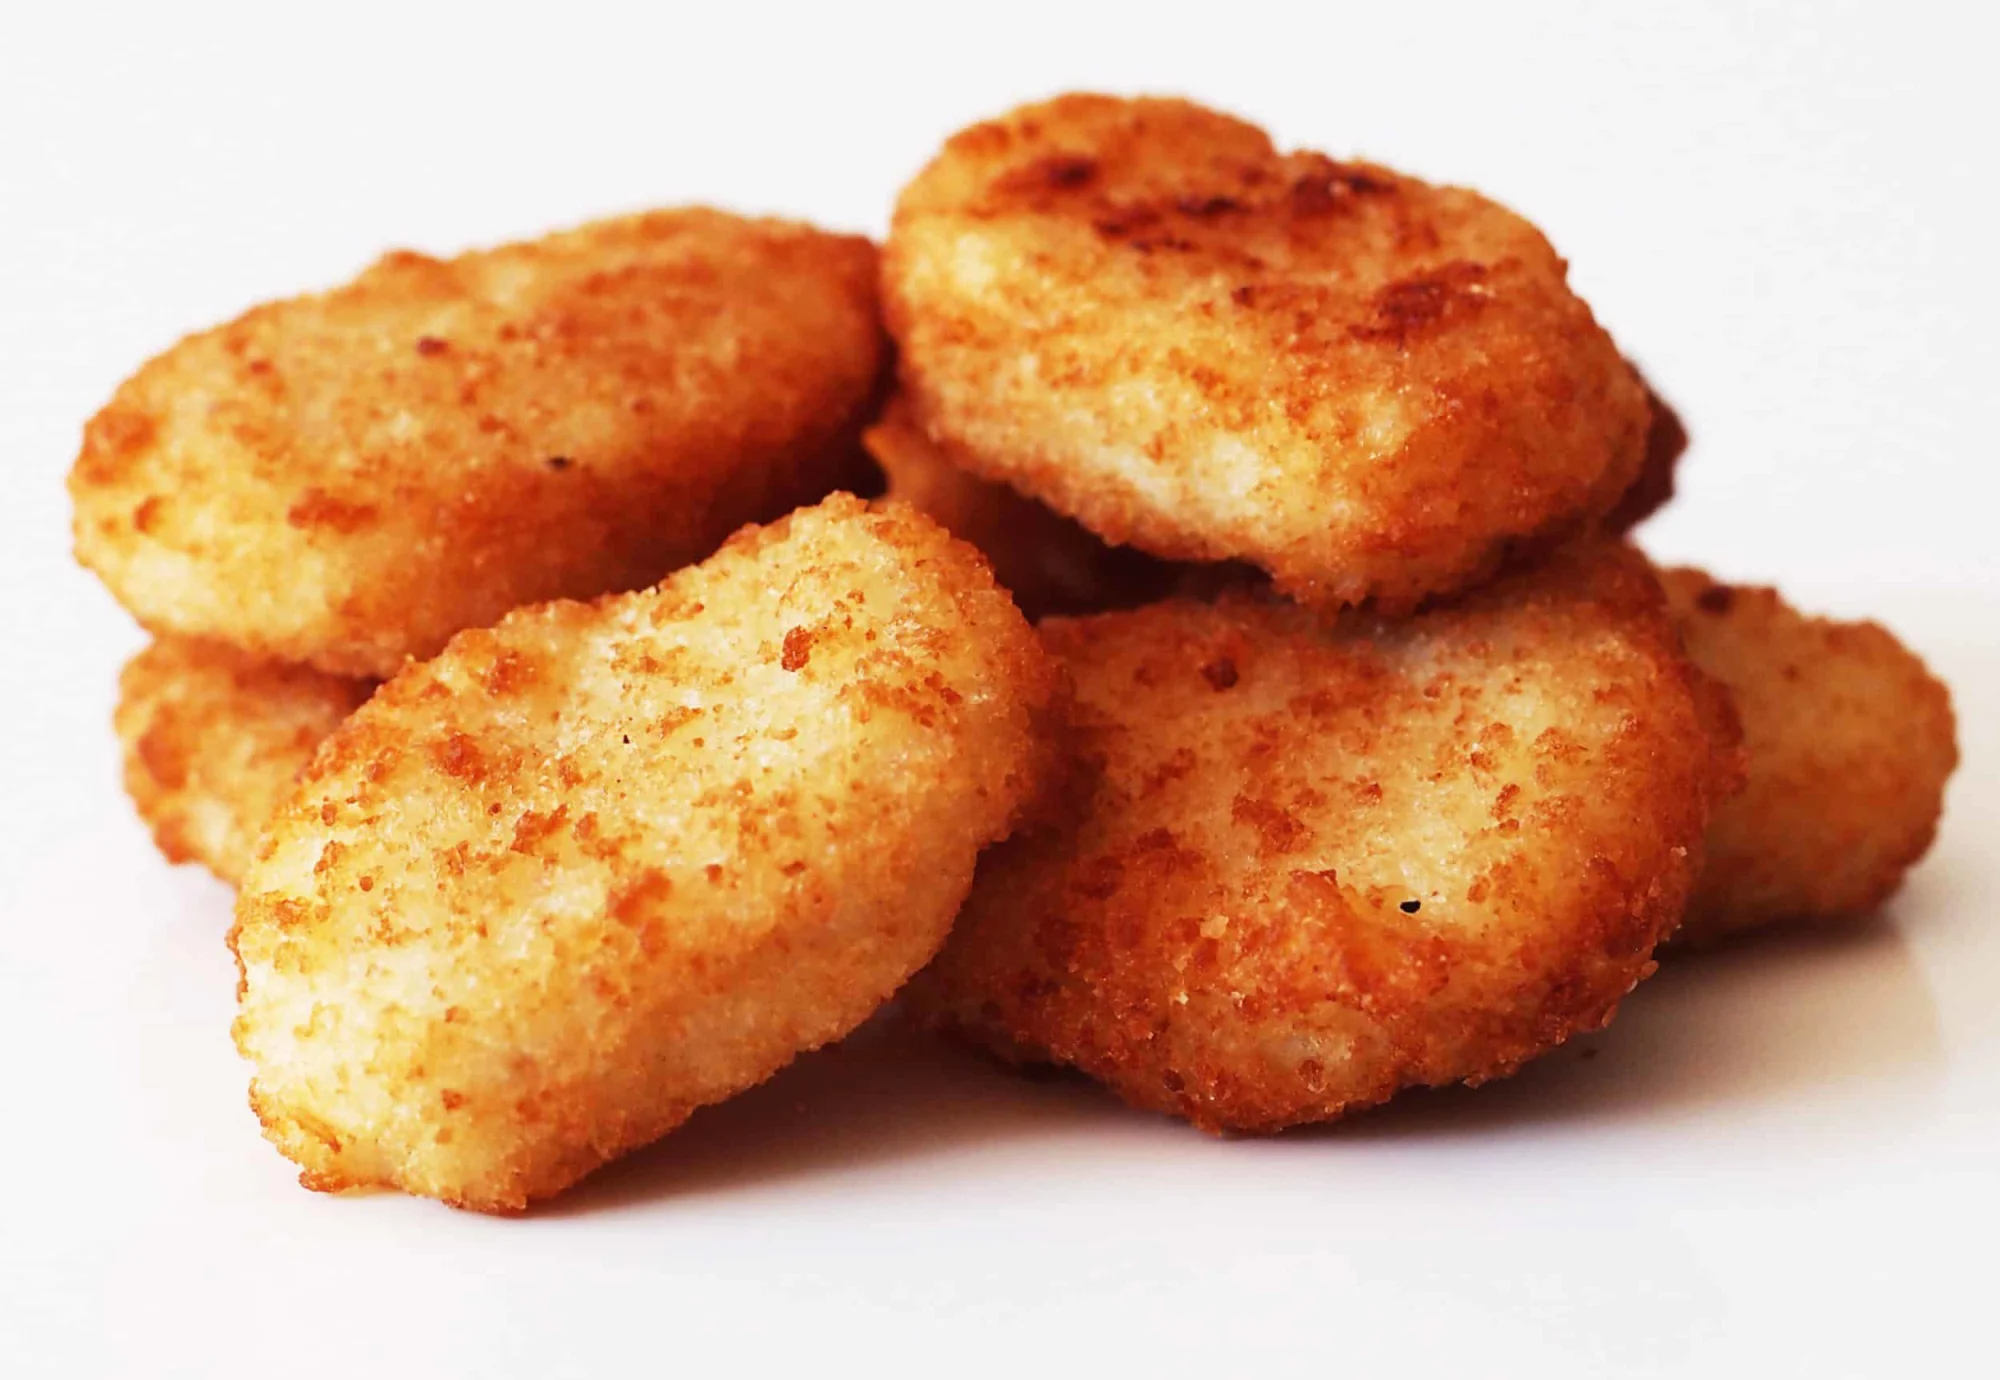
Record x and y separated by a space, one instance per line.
1850 741
602 864
348 479
1142 313
1666 442
1309 867
215 739
1050 564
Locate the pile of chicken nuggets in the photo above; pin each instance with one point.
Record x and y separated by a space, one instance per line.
1245 692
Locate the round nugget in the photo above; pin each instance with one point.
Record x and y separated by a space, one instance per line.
1849 742
1310 867
1049 563
215 739
587 871
347 479
1142 313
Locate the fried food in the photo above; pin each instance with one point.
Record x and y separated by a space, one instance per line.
1308 867
1666 442
602 864
1850 741
1050 564
347 479
1143 314
215 739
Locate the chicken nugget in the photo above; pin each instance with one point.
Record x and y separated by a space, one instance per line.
1049 563
1142 313
214 739
349 478
1310 866
1849 742
600 865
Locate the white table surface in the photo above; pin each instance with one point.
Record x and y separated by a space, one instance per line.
1780 1160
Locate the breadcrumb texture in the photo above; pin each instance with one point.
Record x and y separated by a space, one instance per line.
1311 867
347 479
1142 313
1850 741
1051 564
587 871
214 740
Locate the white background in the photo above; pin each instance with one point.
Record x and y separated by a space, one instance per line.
1781 1160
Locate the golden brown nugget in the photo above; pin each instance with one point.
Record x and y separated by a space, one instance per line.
603 864
1142 313
1311 867
215 739
1850 741
1050 564
349 478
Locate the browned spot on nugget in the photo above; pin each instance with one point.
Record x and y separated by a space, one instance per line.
534 825
457 755
318 508
1403 309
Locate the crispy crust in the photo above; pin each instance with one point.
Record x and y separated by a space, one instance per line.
1050 564
215 739
1224 929
603 864
1850 741
1142 313
347 479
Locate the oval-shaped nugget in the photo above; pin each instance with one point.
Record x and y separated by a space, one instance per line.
587 871
1049 563
214 740
1849 741
1144 314
349 478
1310 867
